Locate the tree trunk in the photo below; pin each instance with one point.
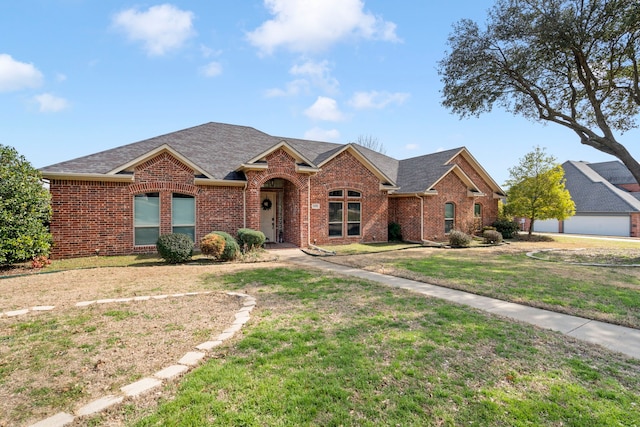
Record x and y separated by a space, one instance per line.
531 220
614 148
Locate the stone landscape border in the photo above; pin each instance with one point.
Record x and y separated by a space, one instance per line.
130 391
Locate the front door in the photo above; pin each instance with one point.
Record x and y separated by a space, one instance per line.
268 215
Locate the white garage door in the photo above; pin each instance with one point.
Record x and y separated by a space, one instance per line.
599 225
546 226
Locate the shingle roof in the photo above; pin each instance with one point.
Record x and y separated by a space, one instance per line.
614 172
592 193
219 149
418 174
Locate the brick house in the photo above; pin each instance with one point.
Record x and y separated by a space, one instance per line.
225 177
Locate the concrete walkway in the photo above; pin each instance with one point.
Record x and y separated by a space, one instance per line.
616 338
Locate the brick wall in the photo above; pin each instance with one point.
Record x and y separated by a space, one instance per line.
406 212
451 189
345 172
90 216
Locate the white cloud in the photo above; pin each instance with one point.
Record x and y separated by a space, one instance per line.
212 69
377 100
325 109
61 77
318 134
411 147
312 74
51 104
315 25
161 28
16 75
293 88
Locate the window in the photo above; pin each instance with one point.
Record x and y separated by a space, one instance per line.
146 225
449 216
341 222
335 219
183 215
353 219
477 210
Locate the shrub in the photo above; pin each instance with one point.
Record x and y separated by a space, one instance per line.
459 239
250 239
175 247
231 247
492 237
25 210
508 228
395 233
212 245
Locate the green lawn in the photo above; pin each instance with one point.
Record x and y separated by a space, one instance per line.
329 351
607 294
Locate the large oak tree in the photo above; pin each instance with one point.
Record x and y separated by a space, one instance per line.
570 62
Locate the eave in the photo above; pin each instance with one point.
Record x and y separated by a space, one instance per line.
87 177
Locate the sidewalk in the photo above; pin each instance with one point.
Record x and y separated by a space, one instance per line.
616 338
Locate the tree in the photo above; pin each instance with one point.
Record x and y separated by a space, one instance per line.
24 209
371 142
536 189
570 62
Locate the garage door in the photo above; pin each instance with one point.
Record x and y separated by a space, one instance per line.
599 225
546 226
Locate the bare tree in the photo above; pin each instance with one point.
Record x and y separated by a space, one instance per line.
371 142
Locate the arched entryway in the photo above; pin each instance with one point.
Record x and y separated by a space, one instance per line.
280 212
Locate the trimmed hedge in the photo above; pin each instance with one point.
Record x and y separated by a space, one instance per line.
459 239
231 247
506 227
175 248
250 239
492 237
212 245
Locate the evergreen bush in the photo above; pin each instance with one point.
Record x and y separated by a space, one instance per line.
212 245
250 239
395 232
175 248
459 239
507 227
231 247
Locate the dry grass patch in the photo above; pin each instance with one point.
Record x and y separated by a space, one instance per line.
62 359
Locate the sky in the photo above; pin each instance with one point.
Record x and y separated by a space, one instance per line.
82 76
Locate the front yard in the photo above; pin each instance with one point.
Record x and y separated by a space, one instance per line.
319 349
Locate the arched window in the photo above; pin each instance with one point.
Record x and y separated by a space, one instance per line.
343 222
449 217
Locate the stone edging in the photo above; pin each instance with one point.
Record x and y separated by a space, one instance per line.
587 264
188 361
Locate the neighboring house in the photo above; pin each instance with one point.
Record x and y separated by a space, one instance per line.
225 177
607 202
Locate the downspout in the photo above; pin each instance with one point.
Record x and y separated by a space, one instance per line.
308 210
421 217
244 204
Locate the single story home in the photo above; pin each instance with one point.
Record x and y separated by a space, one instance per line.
225 177
607 199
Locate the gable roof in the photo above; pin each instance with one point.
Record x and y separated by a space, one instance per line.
222 152
592 193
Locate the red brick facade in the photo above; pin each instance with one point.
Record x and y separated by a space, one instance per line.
405 210
92 217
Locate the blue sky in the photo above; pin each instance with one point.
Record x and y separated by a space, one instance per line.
82 76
